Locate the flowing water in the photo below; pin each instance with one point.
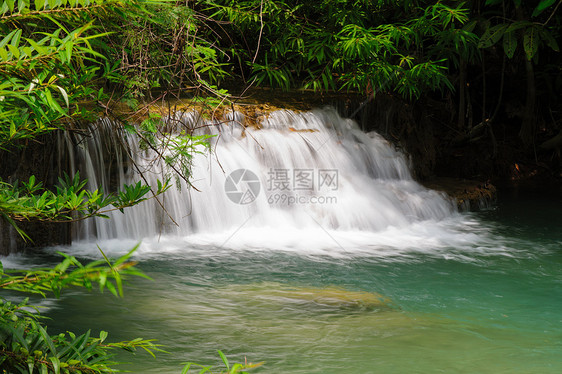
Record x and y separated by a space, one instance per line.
311 248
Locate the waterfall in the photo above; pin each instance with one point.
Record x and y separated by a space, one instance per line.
291 171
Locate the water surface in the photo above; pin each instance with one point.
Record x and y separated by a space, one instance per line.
484 297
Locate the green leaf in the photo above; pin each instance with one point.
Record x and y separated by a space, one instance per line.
68 49
224 360
186 368
542 6
10 4
47 339
549 39
3 54
7 38
28 51
469 27
12 129
112 289
56 364
52 102
39 4
16 38
21 233
15 51
531 42
40 49
509 44
23 5
492 35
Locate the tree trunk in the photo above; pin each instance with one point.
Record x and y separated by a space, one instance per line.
462 95
527 132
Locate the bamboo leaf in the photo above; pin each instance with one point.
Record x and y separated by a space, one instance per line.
52 102
28 51
4 54
56 364
186 368
224 360
47 339
69 45
15 51
40 49
16 38
7 38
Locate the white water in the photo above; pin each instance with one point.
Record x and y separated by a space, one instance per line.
370 203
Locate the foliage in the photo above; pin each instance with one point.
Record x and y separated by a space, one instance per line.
48 65
26 346
237 368
69 202
175 144
531 34
168 47
52 66
356 45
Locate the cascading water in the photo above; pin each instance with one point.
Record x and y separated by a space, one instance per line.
311 170
310 247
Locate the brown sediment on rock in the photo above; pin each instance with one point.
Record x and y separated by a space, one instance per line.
253 114
469 194
254 104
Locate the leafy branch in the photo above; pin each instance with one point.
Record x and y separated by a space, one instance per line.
69 202
25 344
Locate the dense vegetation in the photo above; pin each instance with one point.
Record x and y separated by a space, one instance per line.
492 68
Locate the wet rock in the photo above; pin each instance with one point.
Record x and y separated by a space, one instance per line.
470 195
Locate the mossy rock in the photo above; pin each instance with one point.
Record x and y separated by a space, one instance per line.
469 195
308 298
